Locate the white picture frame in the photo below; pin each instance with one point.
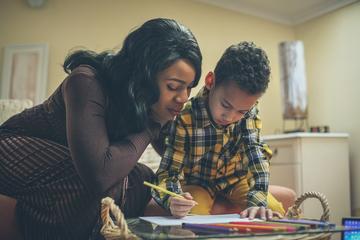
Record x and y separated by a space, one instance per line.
25 72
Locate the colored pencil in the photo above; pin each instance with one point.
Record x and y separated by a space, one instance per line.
162 190
256 228
311 223
280 227
247 229
209 228
296 225
267 223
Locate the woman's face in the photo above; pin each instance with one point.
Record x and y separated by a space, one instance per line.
175 83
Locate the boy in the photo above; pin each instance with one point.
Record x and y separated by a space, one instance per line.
214 148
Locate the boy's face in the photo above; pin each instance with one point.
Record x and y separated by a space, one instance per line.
227 102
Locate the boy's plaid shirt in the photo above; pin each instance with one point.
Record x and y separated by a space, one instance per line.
199 152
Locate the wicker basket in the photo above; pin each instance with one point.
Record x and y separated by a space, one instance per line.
120 231
294 212
111 230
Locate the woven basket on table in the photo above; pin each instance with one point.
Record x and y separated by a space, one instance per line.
120 231
294 212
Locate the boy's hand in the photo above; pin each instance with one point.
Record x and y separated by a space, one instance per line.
261 212
180 207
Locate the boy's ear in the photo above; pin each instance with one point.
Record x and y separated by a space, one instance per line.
210 80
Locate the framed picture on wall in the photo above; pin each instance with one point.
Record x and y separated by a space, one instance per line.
25 71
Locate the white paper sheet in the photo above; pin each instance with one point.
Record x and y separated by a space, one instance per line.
172 221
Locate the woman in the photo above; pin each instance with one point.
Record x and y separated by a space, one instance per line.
60 158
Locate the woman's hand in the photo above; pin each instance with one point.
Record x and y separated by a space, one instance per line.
262 212
180 207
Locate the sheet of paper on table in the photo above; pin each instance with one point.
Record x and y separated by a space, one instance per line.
172 221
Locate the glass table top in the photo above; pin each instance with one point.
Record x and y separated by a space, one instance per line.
147 230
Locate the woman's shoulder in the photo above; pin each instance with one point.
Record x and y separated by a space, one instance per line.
84 74
85 70
82 78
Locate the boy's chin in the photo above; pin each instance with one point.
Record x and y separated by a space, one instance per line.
222 123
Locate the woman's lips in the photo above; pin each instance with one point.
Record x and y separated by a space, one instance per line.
174 111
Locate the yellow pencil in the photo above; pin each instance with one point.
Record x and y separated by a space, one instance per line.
162 189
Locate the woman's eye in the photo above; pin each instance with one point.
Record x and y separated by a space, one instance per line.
172 88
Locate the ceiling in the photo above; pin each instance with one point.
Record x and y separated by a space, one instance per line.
290 12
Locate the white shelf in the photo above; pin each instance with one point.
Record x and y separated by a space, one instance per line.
313 162
305 135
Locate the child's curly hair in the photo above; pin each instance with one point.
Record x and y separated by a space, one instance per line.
247 65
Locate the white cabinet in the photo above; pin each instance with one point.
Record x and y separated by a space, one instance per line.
313 162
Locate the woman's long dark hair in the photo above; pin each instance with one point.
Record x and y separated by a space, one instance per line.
129 77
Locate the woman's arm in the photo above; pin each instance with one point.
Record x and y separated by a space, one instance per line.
100 163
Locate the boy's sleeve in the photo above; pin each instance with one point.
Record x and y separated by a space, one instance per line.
172 162
258 154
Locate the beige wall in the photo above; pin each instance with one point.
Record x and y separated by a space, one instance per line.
65 24
332 52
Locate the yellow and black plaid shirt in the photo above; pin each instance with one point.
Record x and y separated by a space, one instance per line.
199 152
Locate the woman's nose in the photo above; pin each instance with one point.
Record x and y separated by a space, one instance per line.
182 97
